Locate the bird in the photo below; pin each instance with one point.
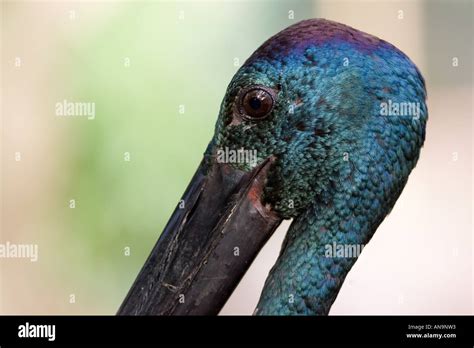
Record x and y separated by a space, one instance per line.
323 125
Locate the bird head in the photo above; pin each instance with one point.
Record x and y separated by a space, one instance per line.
307 130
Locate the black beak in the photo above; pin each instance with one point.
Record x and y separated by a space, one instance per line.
207 245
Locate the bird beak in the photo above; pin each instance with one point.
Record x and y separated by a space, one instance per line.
208 244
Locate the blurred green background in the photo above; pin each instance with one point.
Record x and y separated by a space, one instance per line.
157 72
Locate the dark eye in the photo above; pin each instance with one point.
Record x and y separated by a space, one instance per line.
256 103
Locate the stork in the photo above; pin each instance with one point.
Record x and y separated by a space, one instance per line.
335 119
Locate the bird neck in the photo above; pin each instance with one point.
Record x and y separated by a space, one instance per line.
320 248
323 243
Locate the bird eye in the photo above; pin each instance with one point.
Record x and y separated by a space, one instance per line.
256 103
